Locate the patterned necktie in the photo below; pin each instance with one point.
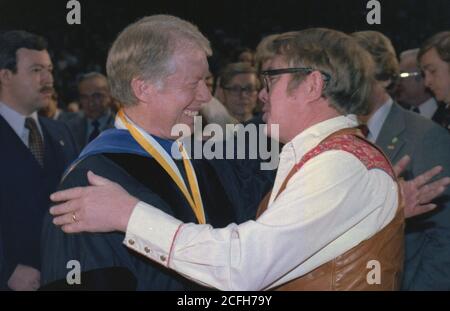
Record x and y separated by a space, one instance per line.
35 142
96 131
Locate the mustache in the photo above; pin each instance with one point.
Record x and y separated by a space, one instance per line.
47 88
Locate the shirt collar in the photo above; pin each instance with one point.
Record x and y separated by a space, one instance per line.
103 120
311 137
428 108
17 120
376 122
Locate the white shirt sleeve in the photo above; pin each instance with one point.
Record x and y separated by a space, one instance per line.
328 207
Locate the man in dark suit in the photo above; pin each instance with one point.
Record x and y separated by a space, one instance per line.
411 92
35 152
96 116
400 132
434 58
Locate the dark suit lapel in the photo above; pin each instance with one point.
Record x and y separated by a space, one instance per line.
391 138
55 135
55 143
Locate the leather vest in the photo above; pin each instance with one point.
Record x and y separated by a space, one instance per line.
373 264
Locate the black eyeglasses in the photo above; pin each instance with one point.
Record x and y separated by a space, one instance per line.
237 89
266 74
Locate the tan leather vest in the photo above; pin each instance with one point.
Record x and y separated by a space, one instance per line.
374 264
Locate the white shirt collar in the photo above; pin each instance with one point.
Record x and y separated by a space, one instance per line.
428 108
17 120
311 137
376 122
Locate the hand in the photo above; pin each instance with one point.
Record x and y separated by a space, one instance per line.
102 207
25 278
418 193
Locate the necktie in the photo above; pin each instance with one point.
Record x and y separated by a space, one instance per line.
35 142
364 129
96 131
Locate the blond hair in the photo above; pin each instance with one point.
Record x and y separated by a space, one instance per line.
145 50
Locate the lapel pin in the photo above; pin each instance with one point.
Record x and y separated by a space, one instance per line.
61 142
394 140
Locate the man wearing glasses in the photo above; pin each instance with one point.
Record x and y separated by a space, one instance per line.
411 91
334 210
95 100
240 85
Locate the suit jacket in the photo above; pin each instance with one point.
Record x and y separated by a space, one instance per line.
427 257
78 125
25 187
442 116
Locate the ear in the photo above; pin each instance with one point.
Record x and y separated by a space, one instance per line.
314 85
143 90
5 76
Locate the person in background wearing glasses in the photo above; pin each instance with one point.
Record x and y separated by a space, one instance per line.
410 88
214 111
399 132
335 206
96 101
240 85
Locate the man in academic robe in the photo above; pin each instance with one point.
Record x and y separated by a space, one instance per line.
143 155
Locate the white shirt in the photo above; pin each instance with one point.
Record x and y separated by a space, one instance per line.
17 122
329 206
376 122
428 108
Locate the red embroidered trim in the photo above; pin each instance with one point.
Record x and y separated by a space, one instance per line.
363 150
173 244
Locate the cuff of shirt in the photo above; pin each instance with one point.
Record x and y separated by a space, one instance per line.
151 233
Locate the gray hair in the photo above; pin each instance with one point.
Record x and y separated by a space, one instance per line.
91 75
145 50
410 53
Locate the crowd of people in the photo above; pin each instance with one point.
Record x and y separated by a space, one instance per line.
365 151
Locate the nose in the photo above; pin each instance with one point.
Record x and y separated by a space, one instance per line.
203 93
263 96
427 80
48 78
